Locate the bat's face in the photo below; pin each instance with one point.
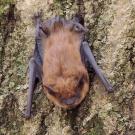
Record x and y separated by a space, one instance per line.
69 92
65 77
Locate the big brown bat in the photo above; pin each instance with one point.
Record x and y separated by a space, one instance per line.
59 62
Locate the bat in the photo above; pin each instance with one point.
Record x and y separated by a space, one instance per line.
60 61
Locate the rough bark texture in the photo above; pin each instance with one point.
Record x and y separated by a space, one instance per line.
111 25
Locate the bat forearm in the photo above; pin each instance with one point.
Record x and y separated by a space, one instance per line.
32 79
91 60
38 53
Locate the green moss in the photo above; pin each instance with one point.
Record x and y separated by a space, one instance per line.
108 112
95 126
4 4
9 116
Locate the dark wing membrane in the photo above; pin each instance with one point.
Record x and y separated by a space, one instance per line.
87 57
38 52
35 68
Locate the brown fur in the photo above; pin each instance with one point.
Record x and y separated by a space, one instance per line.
62 65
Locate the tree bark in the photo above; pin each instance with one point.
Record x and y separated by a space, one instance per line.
111 32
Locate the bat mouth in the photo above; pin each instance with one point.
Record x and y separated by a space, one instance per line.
71 101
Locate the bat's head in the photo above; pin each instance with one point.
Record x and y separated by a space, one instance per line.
65 76
67 91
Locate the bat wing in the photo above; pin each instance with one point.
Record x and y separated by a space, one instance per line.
35 68
88 57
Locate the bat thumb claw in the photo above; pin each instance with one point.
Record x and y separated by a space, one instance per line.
110 89
26 115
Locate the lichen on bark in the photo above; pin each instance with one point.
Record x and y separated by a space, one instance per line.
111 25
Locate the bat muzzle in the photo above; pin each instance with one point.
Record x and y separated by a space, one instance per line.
72 100
69 101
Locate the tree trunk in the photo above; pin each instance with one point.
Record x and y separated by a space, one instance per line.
111 25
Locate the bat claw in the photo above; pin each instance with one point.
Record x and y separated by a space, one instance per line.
110 89
37 15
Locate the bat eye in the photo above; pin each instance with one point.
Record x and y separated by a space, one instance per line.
80 82
50 90
45 31
45 28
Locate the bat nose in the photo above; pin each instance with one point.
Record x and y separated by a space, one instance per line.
73 99
70 101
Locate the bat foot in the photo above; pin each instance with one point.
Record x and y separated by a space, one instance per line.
39 14
79 18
